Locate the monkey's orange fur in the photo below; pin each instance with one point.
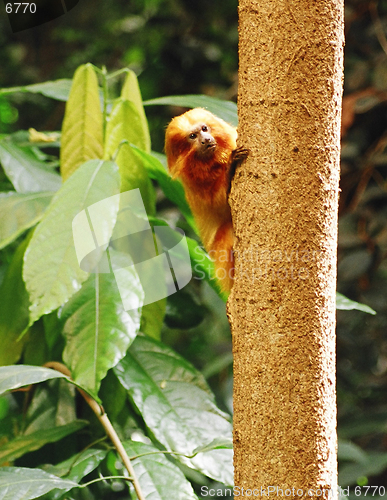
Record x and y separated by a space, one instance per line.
199 150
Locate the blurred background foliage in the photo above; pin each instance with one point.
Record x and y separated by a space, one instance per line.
179 47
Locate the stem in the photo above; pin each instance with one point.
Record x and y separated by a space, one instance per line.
90 445
164 452
110 431
379 31
117 73
124 141
105 98
125 478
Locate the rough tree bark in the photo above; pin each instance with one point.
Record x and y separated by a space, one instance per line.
284 205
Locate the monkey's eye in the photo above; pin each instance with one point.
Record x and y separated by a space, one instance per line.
205 128
192 136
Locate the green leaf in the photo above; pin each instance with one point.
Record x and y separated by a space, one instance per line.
35 351
76 468
35 440
173 189
82 131
376 463
226 110
35 141
98 330
53 335
152 318
57 89
25 171
361 424
20 483
351 452
115 400
131 92
203 266
216 444
158 477
345 304
217 364
51 269
183 311
14 305
52 404
19 212
126 124
177 405
15 376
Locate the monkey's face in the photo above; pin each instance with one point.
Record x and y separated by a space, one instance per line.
196 140
201 139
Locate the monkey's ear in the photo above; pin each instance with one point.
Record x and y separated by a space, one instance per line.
238 156
176 146
170 149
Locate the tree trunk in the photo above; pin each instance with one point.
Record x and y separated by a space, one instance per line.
284 204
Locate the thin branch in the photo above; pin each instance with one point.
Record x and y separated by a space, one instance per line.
367 171
166 452
109 429
125 478
117 73
124 141
82 452
105 99
379 31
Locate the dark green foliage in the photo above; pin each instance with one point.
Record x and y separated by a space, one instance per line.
53 310
361 343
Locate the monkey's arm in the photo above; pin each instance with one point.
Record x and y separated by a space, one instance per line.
238 156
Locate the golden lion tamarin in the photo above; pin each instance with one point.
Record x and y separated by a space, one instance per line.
201 151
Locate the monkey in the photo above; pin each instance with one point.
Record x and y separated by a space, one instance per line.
201 151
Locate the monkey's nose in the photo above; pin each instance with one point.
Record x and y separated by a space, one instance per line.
207 139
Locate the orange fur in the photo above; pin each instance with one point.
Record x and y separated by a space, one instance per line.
203 165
